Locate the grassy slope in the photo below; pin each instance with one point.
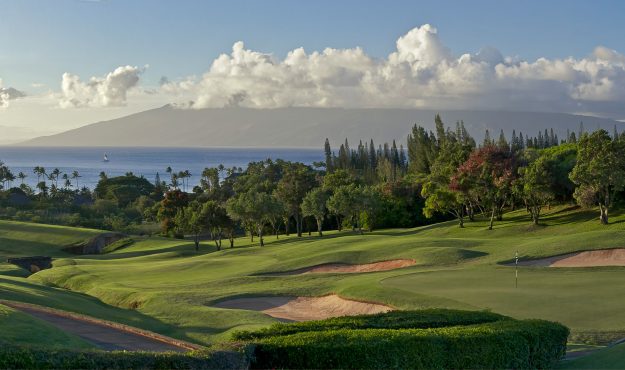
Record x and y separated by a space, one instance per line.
172 287
21 328
18 239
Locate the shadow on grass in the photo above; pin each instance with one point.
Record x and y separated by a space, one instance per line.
84 304
24 248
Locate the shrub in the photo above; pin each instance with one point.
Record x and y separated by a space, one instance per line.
502 344
434 338
429 318
19 357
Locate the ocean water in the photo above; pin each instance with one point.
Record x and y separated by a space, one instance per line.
141 161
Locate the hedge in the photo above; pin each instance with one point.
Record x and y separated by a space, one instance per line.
23 357
429 318
502 344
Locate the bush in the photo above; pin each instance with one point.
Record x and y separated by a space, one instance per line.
502 344
410 339
19 357
430 318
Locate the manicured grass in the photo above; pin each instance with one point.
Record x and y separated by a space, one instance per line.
608 358
19 239
20 328
165 286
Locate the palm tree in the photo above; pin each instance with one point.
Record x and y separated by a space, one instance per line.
174 181
21 176
43 188
170 171
10 177
55 176
66 181
180 175
4 170
75 176
187 175
39 171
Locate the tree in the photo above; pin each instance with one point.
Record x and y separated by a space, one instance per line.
274 212
329 156
422 150
123 189
21 176
535 186
214 218
54 176
172 203
599 171
190 220
346 202
43 189
490 171
442 191
314 204
39 171
297 180
76 176
252 208
371 200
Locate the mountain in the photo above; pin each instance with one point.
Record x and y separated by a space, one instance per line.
12 93
300 127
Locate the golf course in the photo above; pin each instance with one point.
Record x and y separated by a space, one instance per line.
202 297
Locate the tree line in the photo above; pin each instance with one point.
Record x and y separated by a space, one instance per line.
438 175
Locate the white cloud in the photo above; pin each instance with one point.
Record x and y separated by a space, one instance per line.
422 72
108 91
4 97
8 93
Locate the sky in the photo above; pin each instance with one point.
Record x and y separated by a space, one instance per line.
66 63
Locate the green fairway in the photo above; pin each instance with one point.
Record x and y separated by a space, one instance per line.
165 286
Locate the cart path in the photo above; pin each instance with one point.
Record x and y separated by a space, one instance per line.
104 335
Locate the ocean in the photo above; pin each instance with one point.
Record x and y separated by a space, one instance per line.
147 162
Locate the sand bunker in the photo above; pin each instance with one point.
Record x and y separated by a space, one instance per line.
601 257
304 308
346 268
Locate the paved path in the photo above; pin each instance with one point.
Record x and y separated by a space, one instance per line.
103 336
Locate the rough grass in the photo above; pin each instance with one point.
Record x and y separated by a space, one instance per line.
165 286
20 328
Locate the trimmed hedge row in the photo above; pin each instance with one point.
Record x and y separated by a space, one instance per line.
501 344
21 357
422 319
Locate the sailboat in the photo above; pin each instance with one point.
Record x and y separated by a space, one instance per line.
106 158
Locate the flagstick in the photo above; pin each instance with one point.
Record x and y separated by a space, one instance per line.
516 270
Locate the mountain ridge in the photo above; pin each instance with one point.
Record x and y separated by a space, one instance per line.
303 127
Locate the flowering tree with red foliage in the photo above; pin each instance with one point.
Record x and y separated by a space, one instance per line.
174 201
487 176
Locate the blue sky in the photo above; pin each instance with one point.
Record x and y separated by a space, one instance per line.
81 61
45 38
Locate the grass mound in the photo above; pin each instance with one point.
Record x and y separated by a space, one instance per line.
122 243
422 319
444 339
